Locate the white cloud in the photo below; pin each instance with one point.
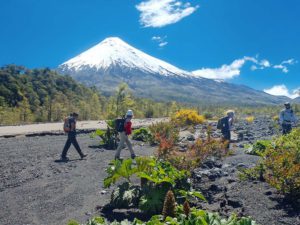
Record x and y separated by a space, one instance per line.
265 63
159 13
156 38
162 44
282 90
222 73
234 69
283 65
160 40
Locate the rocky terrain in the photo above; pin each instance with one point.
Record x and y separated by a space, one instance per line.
36 189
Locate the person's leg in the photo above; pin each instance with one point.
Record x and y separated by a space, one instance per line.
226 140
284 130
129 145
76 145
288 128
121 144
66 148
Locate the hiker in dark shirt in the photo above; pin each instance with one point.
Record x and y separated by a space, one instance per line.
225 124
72 138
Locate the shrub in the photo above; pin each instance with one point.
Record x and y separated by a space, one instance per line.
142 134
259 147
197 153
196 216
282 164
163 129
187 117
166 135
275 118
208 115
249 119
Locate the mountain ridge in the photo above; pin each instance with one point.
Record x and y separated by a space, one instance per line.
113 61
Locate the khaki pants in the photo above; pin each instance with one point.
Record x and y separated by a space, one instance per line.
123 139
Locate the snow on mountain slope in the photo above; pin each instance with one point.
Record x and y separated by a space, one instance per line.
113 52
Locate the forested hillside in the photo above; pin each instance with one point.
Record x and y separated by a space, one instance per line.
42 95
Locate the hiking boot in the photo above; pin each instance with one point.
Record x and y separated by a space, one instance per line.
64 159
133 156
83 156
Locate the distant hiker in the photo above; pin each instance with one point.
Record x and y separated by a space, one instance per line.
225 124
286 118
70 128
124 129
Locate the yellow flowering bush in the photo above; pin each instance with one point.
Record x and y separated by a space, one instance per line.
250 119
188 117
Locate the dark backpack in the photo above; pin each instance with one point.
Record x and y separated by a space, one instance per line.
67 125
120 124
221 123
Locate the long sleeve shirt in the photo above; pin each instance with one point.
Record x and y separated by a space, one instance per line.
287 116
127 126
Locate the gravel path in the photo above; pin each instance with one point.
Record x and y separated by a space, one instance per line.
50 128
36 190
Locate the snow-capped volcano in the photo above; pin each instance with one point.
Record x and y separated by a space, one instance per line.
112 62
113 52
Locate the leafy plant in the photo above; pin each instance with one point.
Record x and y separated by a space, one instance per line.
151 202
125 196
188 195
196 217
259 147
142 134
119 169
108 137
73 222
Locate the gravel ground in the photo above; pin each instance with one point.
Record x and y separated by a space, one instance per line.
36 190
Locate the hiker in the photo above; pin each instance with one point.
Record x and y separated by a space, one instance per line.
71 121
286 118
124 136
225 124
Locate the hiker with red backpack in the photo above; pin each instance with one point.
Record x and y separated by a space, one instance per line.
70 129
123 126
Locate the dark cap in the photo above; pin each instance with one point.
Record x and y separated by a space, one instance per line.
287 103
74 114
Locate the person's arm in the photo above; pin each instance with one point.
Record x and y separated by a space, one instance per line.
281 117
295 119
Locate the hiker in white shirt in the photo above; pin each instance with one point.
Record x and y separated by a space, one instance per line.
286 118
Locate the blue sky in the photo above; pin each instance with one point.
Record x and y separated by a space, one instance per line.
250 42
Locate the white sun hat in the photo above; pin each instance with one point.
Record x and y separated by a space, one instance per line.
129 113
